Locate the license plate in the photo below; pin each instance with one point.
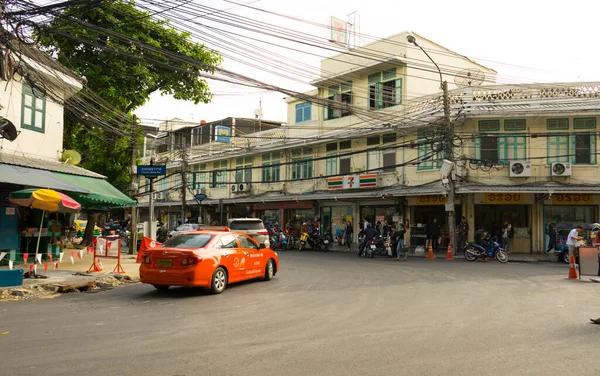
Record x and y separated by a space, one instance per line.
326 241
165 263
373 247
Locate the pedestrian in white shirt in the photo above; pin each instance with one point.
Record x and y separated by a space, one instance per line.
573 238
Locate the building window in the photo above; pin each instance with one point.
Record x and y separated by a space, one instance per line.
489 125
345 165
389 160
270 173
331 164
243 169
584 148
558 148
515 125
33 110
342 95
303 112
345 145
498 149
200 177
219 177
427 158
302 164
584 123
385 90
176 181
557 124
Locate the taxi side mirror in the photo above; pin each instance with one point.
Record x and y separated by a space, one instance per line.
262 246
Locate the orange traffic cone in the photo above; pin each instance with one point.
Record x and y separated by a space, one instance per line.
572 268
449 253
96 266
430 254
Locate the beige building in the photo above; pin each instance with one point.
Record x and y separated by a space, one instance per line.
366 143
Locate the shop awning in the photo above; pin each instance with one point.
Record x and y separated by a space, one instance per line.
32 177
100 193
545 188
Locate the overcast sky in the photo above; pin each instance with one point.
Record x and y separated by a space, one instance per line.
525 41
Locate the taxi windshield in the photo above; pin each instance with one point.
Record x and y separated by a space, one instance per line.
188 241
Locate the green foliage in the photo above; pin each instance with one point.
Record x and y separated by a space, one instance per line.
122 73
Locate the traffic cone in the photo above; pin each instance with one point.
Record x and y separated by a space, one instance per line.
449 253
572 268
430 254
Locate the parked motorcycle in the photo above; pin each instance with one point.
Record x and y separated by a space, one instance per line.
473 251
278 239
303 239
321 243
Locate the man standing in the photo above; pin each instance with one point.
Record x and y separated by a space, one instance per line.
507 235
463 233
572 239
552 238
433 233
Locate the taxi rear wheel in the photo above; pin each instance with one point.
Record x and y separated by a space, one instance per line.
219 281
269 270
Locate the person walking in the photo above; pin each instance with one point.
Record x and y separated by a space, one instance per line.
573 238
507 235
552 238
463 233
433 234
348 234
399 236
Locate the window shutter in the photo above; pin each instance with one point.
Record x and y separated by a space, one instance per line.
398 93
378 95
389 74
326 112
502 145
592 148
477 147
572 148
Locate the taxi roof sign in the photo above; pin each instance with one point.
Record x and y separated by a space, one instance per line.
214 228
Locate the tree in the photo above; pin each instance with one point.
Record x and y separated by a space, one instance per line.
123 73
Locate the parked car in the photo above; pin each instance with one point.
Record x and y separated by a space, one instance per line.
80 228
253 227
185 228
211 258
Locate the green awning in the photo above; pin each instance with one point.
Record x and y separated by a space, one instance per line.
101 193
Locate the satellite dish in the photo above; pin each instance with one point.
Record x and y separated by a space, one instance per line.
71 157
8 129
469 77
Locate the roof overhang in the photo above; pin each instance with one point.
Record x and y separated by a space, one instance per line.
350 74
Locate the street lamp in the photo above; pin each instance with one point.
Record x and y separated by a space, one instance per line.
448 147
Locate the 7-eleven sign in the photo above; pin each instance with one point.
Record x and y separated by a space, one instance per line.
351 181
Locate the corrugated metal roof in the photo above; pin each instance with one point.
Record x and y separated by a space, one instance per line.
42 164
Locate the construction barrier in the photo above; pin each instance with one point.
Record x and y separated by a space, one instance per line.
108 247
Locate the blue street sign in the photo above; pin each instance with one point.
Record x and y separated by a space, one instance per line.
152 171
200 196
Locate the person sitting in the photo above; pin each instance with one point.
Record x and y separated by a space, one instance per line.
370 233
480 239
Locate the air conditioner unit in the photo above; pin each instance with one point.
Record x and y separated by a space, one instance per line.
243 187
234 187
561 169
520 169
158 195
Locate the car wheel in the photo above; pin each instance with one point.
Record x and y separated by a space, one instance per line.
161 287
269 270
219 281
565 258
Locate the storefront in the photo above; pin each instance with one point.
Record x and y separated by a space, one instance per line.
568 210
378 211
284 212
493 209
423 210
334 217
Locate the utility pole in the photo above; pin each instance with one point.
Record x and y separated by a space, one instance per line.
448 150
449 156
184 182
134 214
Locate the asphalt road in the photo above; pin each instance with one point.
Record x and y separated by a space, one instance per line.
323 314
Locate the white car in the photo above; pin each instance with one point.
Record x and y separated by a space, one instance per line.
252 227
184 228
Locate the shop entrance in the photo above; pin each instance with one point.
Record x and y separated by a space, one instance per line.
492 217
566 217
334 219
422 216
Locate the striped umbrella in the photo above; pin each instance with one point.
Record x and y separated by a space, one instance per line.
46 200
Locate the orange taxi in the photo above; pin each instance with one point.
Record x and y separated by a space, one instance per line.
212 257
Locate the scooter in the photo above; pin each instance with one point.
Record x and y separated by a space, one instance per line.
473 251
321 243
303 239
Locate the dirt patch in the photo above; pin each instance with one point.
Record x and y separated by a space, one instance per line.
48 291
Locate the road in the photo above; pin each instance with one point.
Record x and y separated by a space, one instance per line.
323 314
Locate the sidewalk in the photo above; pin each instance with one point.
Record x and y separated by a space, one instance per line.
513 257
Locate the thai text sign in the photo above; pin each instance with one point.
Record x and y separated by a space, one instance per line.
572 199
504 199
432 200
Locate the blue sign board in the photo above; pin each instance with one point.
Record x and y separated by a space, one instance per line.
200 196
152 171
222 134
